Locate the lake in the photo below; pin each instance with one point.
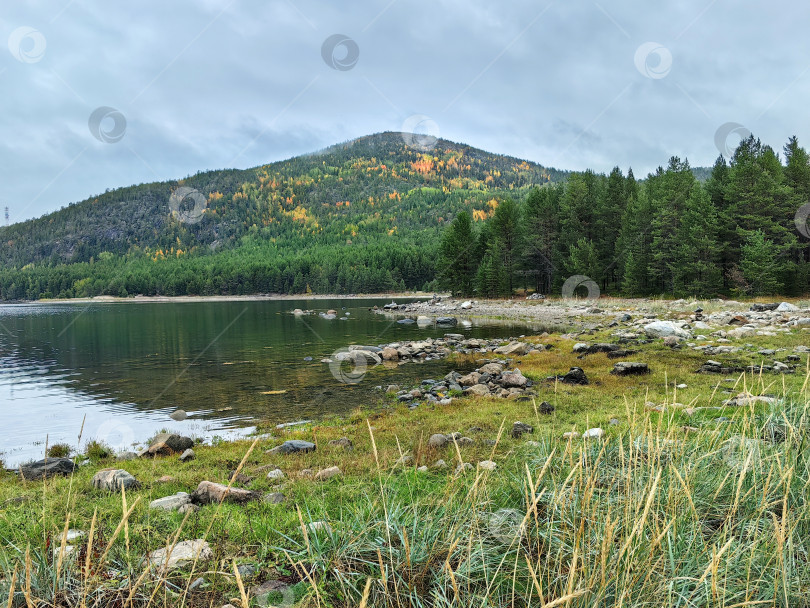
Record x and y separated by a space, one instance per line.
123 367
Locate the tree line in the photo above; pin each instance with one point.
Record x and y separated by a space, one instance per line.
740 233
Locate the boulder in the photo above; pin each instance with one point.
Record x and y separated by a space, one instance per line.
756 307
786 307
42 469
187 455
209 492
477 390
166 444
574 376
662 329
469 379
293 446
178 415
513 348
630 368
513 379
171 503
182 554
390 354
521 428
447 321
493 369
113 480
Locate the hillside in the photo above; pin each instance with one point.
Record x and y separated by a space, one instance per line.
276 221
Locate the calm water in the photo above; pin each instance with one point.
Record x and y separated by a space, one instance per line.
124 367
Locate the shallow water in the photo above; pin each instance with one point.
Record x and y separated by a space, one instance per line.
123 367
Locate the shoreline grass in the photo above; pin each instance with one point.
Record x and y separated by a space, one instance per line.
715 515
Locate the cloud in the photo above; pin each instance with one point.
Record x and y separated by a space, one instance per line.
223 83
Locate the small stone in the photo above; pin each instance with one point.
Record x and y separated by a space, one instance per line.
182 554
327 473
343 442
171 503
464 468
521 428
422 469
188 508
570 435
210 492
178 415
275 474
187 455
273 498
320 526
488 465
440 464
595 433
166 444
546 408
437 441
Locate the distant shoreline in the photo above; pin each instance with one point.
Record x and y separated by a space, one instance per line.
229 298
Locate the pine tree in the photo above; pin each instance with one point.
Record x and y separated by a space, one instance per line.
759 265
507 229
541 221
457 266
695 266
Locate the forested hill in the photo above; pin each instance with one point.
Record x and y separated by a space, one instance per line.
361 216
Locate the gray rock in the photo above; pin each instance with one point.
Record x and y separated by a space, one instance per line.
166 444
274 498
521 428
437 441
42 469
171 503
630 368
178 415
575 376
292 446
182 554
209 492
187 455
327 473
488 465
275 474
113 480
343 442
513 379
662 329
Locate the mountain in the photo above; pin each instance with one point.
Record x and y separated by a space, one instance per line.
364 215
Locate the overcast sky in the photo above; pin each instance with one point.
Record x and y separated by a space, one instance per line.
209 84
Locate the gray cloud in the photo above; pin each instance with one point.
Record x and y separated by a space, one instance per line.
223 83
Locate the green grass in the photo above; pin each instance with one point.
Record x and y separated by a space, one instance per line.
652 516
